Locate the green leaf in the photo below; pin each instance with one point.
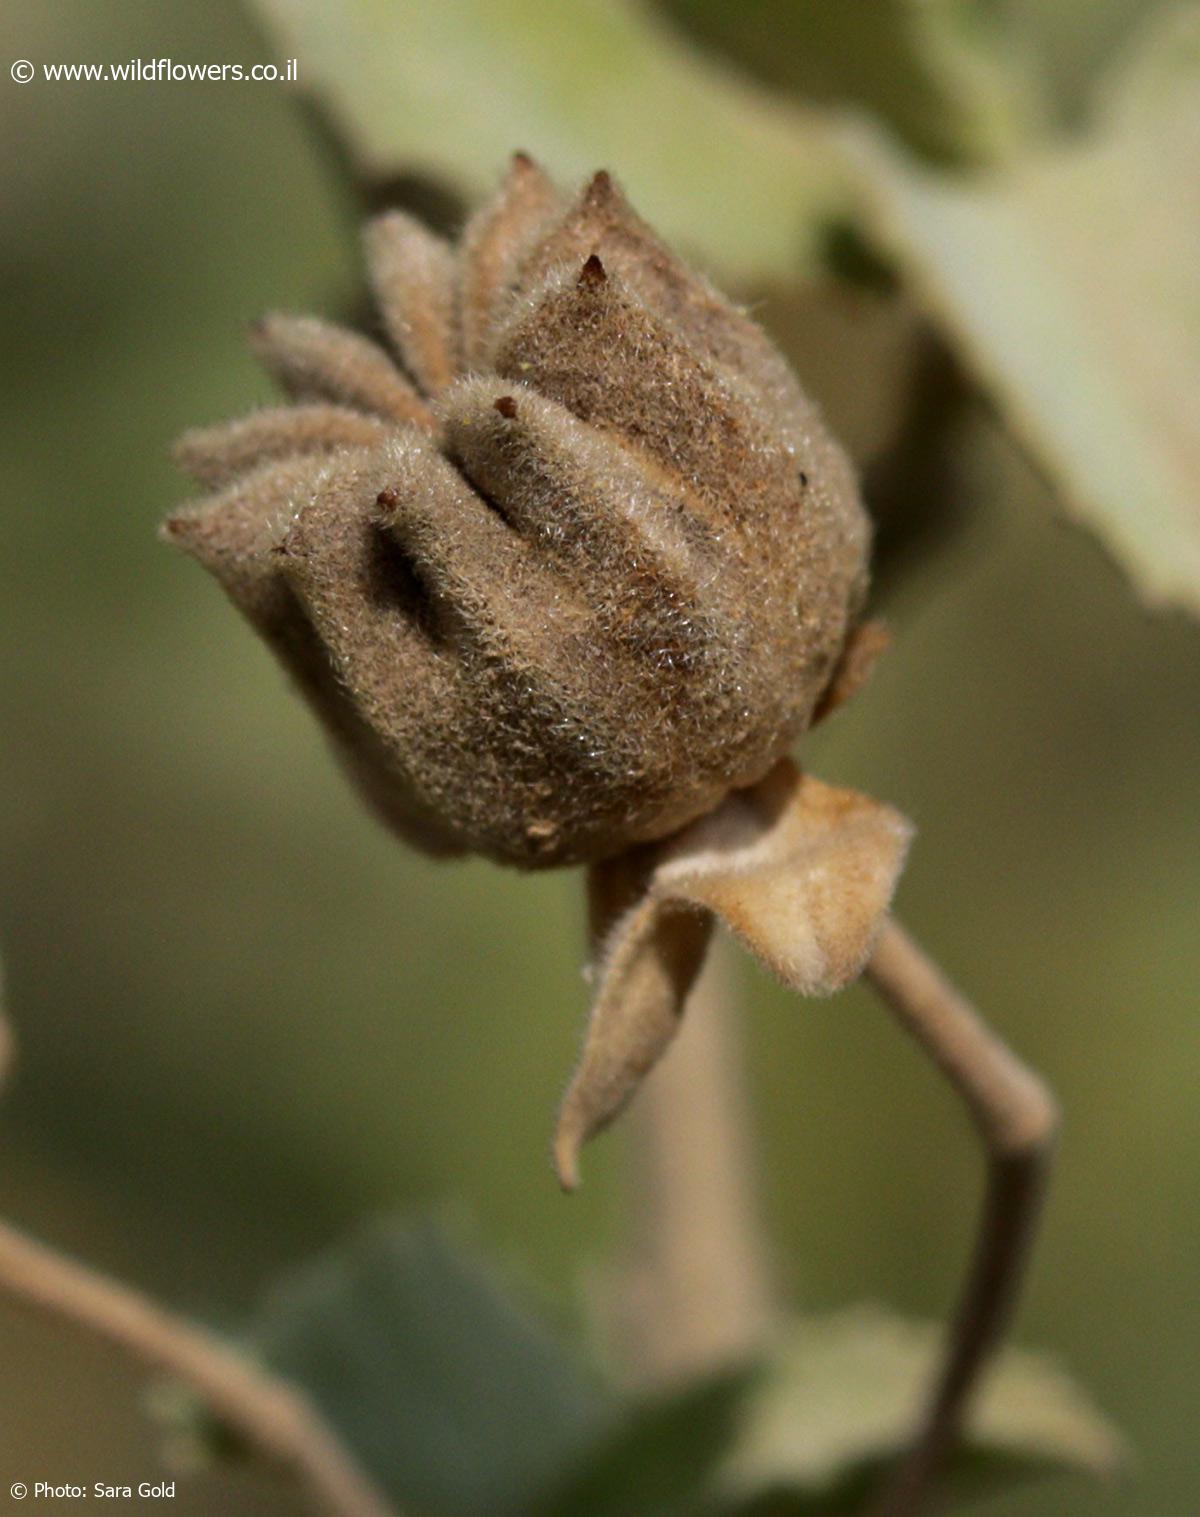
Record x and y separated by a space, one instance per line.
456 1401
1070 284
840 1397
448 90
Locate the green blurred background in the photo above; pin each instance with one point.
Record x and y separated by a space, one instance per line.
247 1017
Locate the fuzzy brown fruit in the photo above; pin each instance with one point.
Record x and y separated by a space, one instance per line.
573 564
565 578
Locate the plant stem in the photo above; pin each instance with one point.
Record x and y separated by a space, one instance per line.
1017 1117
698 1296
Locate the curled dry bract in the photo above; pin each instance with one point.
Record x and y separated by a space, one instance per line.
800 871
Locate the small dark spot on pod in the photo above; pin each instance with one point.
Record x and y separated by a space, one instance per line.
386 498
803 480
507 407
521 159
592 275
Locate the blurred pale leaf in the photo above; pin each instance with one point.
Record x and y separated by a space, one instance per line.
1070 284
842 1393
1072 41
456 1401
1163 64
448 90
953 78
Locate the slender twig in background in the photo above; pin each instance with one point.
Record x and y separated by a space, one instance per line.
1017 1117
698 1295
270 1417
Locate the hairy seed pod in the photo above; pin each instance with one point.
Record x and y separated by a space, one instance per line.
565 565
565 558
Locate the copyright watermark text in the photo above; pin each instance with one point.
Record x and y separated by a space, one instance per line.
155 71
97 1490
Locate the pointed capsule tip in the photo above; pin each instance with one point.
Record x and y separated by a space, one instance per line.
601 186
593 274
188 532
522 161
180 530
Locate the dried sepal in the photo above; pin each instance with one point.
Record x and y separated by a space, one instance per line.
236 532
414 276
251 536
625 539
494 243
314 360
216 456
802 872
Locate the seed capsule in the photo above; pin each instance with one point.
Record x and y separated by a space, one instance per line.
562 565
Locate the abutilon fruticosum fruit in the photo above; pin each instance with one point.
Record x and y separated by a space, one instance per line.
565 563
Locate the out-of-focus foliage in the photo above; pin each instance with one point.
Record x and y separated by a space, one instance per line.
455 1399
447 91
836 1403
1071 285
1066 281
954 78
459 1403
